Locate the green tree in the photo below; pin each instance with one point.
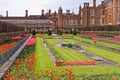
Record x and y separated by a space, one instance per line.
34 32
49 32
71 31
74 33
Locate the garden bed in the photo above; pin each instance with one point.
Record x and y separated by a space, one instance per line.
34 63
23 67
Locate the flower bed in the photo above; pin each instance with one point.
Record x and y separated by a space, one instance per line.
56 74
11 52
31 41
107 40
90 35
24 35
23 68
73 63
27 66
4 48
16 37
116 37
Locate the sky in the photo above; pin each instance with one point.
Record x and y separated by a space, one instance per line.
34 7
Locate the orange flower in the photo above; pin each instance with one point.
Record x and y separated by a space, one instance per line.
10 78
54 79
21 62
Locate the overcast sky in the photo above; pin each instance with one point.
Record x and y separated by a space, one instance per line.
18 7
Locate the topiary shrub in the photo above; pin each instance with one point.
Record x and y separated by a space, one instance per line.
60 32
49 32
74 33
71 32
69 45
33 32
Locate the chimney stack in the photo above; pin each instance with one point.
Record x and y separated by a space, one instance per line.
80 7
26 13
49 11
94 3
102 2
42 12
68 11
84 5
6 13
87 4
55 13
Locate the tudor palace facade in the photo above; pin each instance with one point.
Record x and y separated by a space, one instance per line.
107 13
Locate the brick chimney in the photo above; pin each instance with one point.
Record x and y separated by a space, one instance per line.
6 13
102 2
26 13
49 11
42 12
68 12
84 5
94 3
87 4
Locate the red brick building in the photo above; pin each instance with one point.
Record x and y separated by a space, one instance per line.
87 16
112 12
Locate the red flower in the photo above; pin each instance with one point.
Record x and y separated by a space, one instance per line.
113 78
21 62
9 78
54 79
17 63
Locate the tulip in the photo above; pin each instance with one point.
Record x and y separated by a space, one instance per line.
113 78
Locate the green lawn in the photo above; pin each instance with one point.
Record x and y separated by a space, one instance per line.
98 51
95 70
67 54
42 59
104 53
99 42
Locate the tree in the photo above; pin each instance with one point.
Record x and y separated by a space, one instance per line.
34 32
60 32
74 33
71 31
49 32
